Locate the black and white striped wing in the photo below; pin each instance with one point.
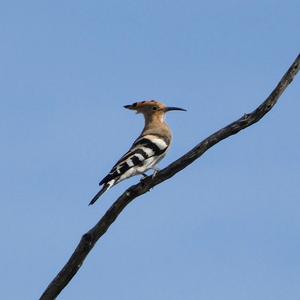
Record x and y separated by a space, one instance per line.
145 153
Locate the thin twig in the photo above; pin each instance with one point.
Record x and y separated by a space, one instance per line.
89 239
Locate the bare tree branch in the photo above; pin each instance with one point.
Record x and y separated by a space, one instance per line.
90 238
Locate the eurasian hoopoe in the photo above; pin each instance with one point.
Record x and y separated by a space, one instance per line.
147 150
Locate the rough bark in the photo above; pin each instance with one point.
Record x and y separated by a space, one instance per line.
90 238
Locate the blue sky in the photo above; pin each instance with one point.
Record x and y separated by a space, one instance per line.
228 226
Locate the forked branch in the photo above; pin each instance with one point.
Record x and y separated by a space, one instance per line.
90 238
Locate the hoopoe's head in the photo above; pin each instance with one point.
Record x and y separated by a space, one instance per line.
148 108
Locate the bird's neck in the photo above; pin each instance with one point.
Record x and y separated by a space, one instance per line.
156 119
155 124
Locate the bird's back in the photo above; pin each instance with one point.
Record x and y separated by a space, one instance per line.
144 154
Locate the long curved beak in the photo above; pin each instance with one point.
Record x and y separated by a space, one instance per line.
170 108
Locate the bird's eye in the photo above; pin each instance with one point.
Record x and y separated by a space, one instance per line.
154 108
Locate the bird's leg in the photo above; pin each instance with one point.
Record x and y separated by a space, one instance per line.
155 171
144 176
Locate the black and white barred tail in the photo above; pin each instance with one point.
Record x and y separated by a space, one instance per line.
98 195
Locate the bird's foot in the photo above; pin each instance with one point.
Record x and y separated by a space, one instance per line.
144 176
155 171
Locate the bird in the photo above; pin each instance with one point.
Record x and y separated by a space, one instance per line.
147 150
